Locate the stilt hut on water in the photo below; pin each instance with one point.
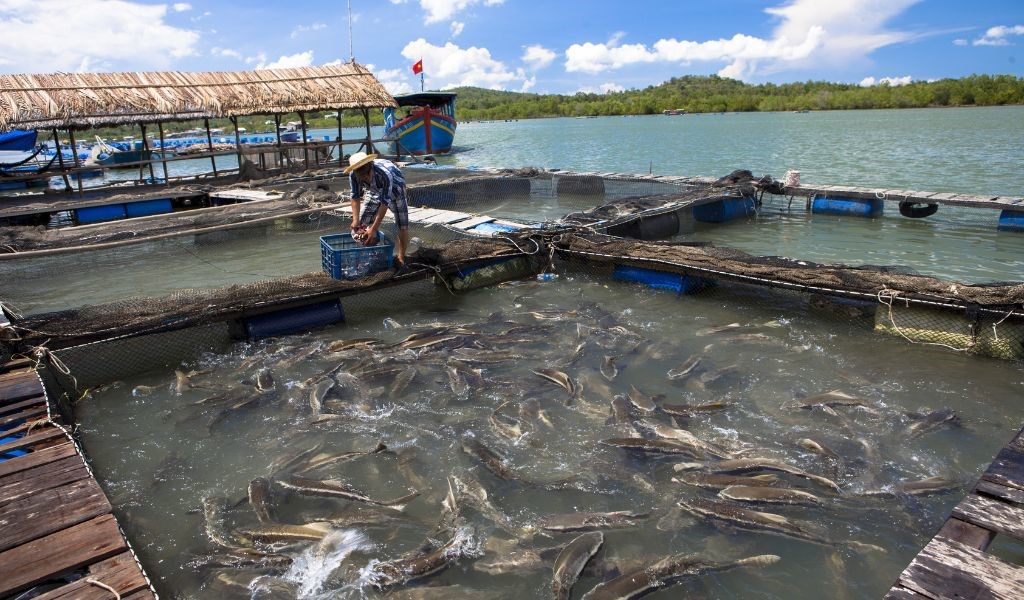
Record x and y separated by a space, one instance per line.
80 101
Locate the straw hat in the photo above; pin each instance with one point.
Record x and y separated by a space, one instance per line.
358 159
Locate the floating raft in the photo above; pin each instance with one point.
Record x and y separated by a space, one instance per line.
954 564
916 197
54 518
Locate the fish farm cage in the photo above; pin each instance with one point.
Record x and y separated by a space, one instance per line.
627 230
619 230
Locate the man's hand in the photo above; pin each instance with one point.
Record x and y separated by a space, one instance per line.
369 237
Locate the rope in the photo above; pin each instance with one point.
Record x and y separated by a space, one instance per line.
98 583
887 297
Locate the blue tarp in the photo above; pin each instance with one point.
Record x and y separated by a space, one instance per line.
17 140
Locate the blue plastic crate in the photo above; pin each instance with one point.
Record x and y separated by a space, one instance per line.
345 258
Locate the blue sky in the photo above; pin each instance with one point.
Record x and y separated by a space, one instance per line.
527 45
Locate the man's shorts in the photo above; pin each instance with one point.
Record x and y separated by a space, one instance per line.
399 209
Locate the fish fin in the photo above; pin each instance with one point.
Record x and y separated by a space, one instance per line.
399 503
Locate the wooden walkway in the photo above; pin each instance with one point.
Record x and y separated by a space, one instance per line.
954 564
55 522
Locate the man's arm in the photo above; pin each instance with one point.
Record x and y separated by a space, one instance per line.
354 199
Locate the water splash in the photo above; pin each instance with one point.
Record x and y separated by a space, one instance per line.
314 567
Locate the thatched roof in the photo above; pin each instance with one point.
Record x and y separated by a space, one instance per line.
82 100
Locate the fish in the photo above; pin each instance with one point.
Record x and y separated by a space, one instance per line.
919 487
323 459
318 393
646 446
214 508
237 558
685 369
719 329
264 380
530 411
490 459
684 437
512 431
259 493
715 481
182 382
558 378
665 572
574 357
287 533
402 381
689 410
621 410
332 488
931 421
608 368
829 400
457 383
642 401
402 571
287 464
834 460
470 491
342 345
591 521
712 377
141 391
570 563
749 520
750 465
769 495
429 342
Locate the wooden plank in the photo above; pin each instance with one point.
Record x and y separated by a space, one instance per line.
27 426
447 216
13 374
39 457
1007 468
991 514
966 533
473 222
33 412
120 572
1000 491
27 441
41 478
902 593
41 559
8 409
949 570
50 511
17 363
19 389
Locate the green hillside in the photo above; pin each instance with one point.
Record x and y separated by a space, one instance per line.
717 94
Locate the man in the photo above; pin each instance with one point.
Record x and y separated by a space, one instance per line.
366 172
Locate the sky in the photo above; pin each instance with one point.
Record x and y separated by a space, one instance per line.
560 46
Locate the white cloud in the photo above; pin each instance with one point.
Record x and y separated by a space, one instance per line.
301 29
607 88
996 36
442 10
457 28
181 6
395 81
288 61
451 66
538 57
198 18
809 33
960 42
226 52
891 81
91 34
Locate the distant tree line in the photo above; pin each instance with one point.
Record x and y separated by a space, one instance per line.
706 94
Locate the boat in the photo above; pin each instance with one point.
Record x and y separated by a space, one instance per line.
674 111
428 126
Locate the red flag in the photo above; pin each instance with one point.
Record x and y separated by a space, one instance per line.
418 67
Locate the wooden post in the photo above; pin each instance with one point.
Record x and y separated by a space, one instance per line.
163 152
209 146
74 152
277 131
147 153
305 143
238 143
341 151
60 160
369 138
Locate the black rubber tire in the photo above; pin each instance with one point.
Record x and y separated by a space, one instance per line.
915 210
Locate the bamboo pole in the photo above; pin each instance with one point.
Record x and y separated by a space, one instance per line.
163 151
60 160
277 132
209 145
341 147
147 152
369 138
238 144
305 143
74 152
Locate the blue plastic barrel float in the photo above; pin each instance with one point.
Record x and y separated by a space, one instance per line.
724 210
1011 220
660 280
848 207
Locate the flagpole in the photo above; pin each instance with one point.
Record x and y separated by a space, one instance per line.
421 81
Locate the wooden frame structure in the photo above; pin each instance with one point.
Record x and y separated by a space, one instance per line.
80 101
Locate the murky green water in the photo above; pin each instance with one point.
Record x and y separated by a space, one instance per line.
159 455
